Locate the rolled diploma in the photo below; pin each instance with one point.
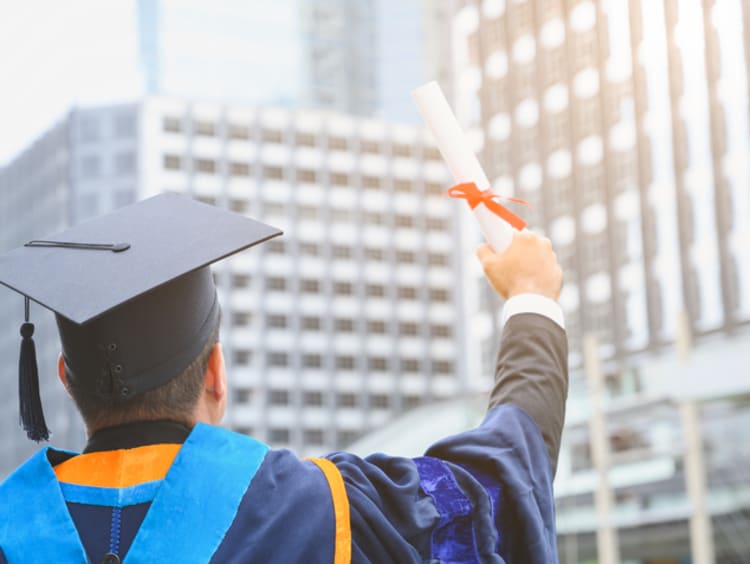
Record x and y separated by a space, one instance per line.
461 161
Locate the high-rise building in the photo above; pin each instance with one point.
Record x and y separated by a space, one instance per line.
625 126
350 318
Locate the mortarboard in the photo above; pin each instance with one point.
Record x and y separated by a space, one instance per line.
132 293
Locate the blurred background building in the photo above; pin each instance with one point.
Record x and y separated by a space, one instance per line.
624 123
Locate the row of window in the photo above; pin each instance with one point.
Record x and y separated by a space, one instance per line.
280 359
279 246
342 325
299 138
93 166
298 175
315 286
316 398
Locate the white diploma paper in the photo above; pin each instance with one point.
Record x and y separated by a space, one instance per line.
461 161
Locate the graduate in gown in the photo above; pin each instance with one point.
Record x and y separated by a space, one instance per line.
159 481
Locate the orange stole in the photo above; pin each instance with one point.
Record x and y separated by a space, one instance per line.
343 550
118 468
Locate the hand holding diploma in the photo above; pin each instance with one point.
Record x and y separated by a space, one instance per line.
496 222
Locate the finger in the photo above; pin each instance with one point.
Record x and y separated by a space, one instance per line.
485 253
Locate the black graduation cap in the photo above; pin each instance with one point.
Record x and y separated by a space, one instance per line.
132 293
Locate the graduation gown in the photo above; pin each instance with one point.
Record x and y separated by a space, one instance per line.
215 496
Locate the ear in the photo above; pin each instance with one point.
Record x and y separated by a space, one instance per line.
61 370
215 377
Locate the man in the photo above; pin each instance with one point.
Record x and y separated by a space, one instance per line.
158 480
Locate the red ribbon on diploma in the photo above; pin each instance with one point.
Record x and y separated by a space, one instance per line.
474 196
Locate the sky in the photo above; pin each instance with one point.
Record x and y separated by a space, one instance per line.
57 54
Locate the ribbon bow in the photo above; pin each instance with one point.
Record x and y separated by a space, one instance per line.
474 196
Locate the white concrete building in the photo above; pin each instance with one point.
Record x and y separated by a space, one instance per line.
351 317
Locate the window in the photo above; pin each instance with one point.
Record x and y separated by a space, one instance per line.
374 254
436 224
205 128
273 208
440 331
342 252
347 436
276 283
278 359
409 365
90 166
343 288
312 361
439 295
410 402
404 221
443 367
379 401
375 290
207 166
125 163
437 259
279 397
310 323
337 143
272 136
377 363
239 132
305 139
172 125
172 162
371 182
307 175
406 257
401 151
339 179
310 286
407 293
313 398
239 169
241 318
436 190
278 435
374 218
346 399
313 436
408 328
241 280
309 249
345 325
241 357
376 327
89 129
243 395
432 153
345 362
276 321
369 146
273 172
402 185
123 197
210 200
276 247
239 206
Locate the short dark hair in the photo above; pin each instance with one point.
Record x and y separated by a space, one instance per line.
174 400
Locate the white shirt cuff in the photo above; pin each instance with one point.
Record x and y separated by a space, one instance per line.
533 303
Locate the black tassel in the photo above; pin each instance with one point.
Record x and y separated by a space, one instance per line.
30 404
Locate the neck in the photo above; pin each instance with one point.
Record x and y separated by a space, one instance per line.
137 434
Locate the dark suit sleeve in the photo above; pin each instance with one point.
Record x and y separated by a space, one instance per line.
532 373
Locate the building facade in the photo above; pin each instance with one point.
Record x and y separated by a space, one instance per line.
625 126
350 318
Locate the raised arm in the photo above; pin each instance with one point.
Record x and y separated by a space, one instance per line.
531 370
